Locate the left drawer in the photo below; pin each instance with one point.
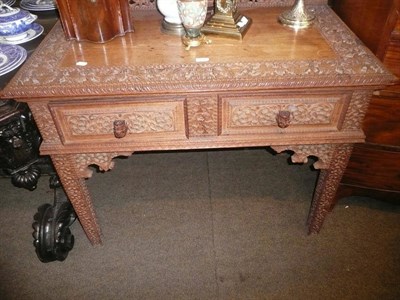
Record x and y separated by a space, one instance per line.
102 121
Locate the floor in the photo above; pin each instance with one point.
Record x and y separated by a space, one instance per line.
223 224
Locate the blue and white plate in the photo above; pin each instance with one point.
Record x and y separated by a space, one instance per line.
32 33
11 57
38 5
9 2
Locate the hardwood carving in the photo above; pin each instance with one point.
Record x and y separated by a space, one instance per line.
324 153
266 114
171 101
102 160
353 66
142 119
120 128
75 187
137 122
142 4
328 183
45 123
260 113
357 110
202 115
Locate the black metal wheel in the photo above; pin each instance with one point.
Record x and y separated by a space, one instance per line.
52 237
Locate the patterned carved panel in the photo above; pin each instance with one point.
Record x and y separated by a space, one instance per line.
357 110
265 115
353 65
102 160
328 182
202 115
259 113
45 122
142 4
138 122
323 152
77 192
145 120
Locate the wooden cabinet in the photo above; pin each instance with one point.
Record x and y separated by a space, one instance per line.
374 167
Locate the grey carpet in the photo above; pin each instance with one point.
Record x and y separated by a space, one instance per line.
205 225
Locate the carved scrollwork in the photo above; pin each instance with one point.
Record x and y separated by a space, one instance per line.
78 194
357 110
353 65
137 122
45 122
142 4
202 115
323 152
102 160
328 182
257 114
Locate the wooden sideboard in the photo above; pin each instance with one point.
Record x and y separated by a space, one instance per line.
374 167
304 91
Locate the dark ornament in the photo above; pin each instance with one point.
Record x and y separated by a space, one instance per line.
52 236
27 178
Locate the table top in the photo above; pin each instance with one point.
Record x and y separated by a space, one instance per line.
270 56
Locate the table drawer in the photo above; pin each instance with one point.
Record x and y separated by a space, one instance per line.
277 113
104 121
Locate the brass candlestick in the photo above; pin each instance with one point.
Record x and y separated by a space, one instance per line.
227 21
298 16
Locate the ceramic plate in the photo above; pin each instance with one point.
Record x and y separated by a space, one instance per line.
36 5
13 55
3 59
35 31
9 2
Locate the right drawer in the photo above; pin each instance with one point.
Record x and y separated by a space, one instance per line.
277 113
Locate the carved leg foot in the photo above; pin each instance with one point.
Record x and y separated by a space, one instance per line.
328 183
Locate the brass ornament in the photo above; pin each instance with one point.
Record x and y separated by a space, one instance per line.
297 17
227 21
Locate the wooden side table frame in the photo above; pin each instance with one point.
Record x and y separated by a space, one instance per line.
304 91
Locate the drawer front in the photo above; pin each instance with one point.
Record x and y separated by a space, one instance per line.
283 113
88 122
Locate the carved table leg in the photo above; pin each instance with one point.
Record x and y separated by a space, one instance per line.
75 187
332 160
328 183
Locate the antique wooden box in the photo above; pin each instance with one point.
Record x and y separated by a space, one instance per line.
94 20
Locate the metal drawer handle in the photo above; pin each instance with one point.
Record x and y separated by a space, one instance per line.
283 118
120 128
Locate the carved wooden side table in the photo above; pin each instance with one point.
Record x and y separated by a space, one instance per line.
304 91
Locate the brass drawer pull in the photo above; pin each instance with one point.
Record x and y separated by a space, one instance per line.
283 118
120 128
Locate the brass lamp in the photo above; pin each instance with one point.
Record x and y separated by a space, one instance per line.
227 21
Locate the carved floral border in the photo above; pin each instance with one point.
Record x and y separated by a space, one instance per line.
355 65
